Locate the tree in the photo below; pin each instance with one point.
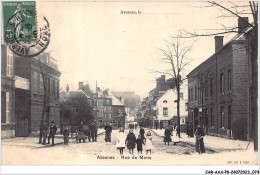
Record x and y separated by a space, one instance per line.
83 108
239 11
175 55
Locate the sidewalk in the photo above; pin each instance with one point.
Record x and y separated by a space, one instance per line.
217 144
32 141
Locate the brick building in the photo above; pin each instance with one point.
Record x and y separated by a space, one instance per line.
39 73
7 93
219 89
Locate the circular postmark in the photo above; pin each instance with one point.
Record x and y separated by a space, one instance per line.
21 35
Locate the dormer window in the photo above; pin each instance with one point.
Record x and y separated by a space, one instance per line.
165 101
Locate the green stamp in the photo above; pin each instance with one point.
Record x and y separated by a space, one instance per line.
19 22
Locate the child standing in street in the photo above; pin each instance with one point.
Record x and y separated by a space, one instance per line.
66 136
140 143
148 143
131 141
120 143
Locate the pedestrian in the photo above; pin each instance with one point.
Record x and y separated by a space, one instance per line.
44 131
148 143
66 136
131 141
53 129
108 129
167 135
87 132
199 133
94 131
81 135
141 132
120 143
175 137
140 142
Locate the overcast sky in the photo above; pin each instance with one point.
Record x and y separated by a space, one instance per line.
93 41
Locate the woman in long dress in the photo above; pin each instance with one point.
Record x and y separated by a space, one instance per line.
175 137
148 143
121 138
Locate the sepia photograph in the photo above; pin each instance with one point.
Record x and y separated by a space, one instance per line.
147 83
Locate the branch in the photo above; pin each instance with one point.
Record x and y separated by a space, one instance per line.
213 2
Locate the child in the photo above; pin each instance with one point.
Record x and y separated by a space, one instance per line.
148 143
66 136
121 137
131 140
140 143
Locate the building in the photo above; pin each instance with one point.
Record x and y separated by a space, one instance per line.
131 101
43 75
7 93
219 89
166 109
107 108
147 110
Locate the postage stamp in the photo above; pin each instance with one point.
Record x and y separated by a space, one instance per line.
21 31
20 24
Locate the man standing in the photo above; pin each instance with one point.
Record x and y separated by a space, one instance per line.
53 130
108 129
94 131
199 140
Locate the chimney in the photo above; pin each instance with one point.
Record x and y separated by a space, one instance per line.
242 24
80 85
218 43
67 88
163 78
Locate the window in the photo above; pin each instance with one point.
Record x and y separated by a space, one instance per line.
107 101
105 108
222 117
229 80
7 107
105 115
206 89
48 85
9 61
211 117
53 87
35 83
221 83
189 95
58 89
229 117
110 116
165 111
181 95
164 101
211 87
97 103
41 84
195 93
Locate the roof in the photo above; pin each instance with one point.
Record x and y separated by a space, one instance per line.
115 101
238 36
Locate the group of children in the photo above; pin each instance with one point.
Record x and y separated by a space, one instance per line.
130 141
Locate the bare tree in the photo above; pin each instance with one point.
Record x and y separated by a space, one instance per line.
175 55
232 9
40 60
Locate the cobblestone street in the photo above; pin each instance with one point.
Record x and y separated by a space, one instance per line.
99 152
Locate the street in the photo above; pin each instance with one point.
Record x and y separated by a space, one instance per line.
91 153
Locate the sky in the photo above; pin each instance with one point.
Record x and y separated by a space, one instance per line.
93 42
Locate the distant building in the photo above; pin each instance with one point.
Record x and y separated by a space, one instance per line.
147 110
7 92
219 90
40 71
107 108
131 101
166 109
